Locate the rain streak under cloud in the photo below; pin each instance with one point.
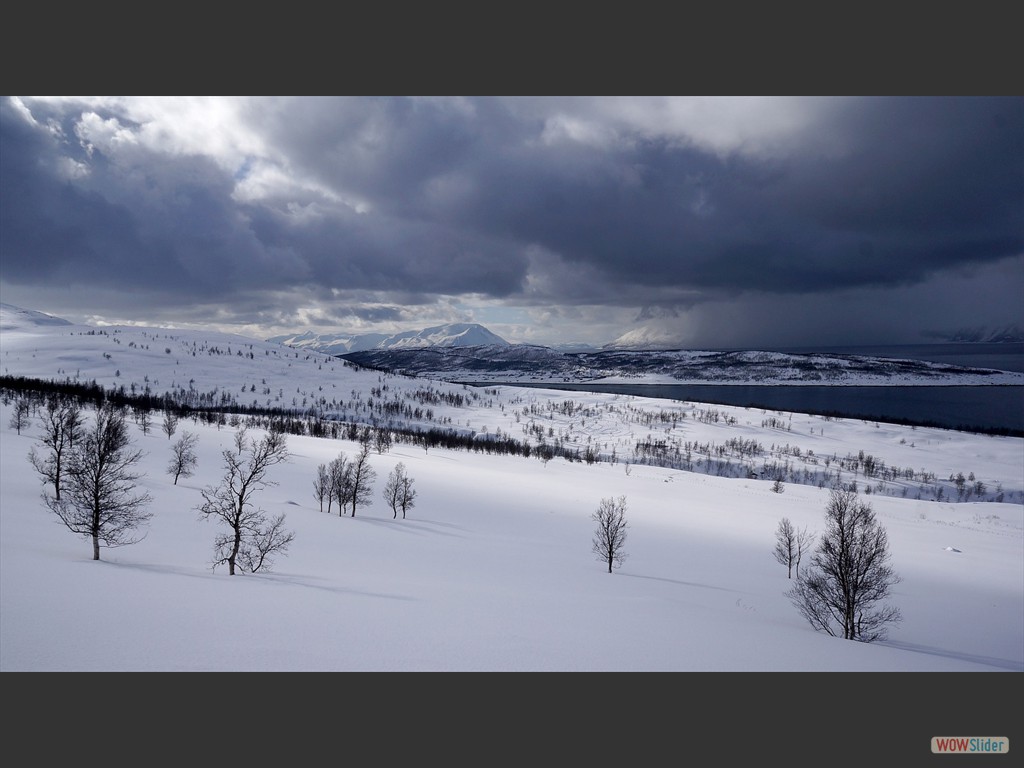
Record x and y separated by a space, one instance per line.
675 221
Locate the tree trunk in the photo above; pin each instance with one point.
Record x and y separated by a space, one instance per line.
95 529
234 551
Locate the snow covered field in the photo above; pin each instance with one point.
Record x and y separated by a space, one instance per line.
493 569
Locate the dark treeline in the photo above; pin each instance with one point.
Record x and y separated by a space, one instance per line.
288 421
735 457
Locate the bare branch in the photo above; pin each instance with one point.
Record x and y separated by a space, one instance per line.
251 537
610 536
849 574
99 500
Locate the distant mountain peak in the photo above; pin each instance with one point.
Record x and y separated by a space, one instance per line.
643 338
448 335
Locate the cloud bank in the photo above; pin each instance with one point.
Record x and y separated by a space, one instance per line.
703 221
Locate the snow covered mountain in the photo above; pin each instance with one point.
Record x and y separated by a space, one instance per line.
330 343
451 335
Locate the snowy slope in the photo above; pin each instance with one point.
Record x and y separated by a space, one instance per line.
13 318
210 369
492 570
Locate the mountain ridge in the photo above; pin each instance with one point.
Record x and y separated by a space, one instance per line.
522 363
447 335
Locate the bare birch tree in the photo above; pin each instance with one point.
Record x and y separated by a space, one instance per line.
849 574
398 491
99 500
251 538
790 545
62 423
170 423
20 415
322 487
610 537
363 476
339 473
183 456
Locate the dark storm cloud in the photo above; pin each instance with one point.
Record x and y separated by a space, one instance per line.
915 186
170 224
566 201
396 153
899 189
378 252
159 224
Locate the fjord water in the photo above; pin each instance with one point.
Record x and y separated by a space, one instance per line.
987 408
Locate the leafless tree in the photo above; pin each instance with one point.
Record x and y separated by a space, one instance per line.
61 422
144 419
170 424
339 474
790 545
99 499
271 539
849 574
610 537
382 440
183 456
20 414
363 476
398 491
251 538
322 487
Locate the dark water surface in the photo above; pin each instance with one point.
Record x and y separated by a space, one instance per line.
989 408
986 408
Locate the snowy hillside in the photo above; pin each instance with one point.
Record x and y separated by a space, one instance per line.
492 569
13 318
214 371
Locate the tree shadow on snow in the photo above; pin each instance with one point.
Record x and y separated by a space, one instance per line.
677 581
989 661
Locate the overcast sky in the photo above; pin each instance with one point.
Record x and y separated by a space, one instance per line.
701 222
